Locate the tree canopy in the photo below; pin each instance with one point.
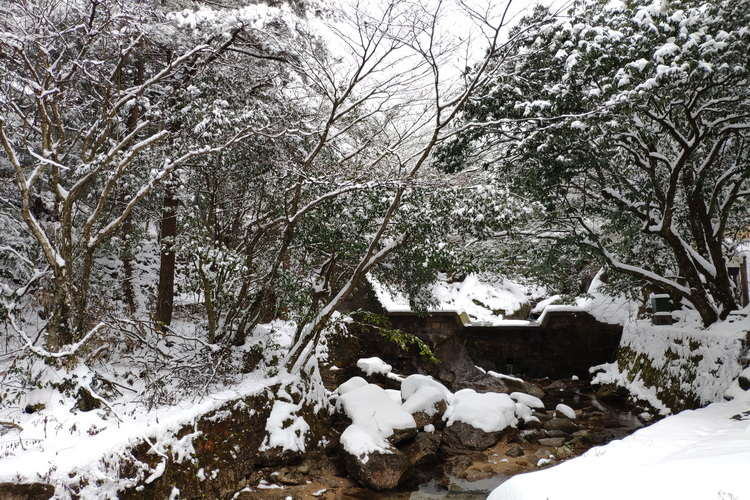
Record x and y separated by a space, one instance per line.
629 122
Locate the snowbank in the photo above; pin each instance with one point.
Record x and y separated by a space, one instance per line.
695 455
60 447
679 366
603 307
606 308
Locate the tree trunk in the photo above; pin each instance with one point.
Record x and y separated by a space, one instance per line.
59 332
127 227
168 231
702 303
126 255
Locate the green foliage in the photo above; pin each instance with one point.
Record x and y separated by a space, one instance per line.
403 340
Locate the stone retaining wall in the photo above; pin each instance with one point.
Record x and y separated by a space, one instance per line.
565 343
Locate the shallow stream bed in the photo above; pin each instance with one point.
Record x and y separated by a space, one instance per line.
470 475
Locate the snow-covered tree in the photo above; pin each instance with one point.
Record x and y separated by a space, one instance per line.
84 113
630 122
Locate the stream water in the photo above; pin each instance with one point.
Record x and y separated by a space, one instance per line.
457 489
450 487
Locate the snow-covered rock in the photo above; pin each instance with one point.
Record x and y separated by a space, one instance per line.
394 395
475 420
360 441
566 411
371 407
374 365
351 384
527 399
371 460
489 411
427 405
413 383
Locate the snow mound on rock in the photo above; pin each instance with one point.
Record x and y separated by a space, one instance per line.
566 410
371 407
413 383
351 384
525 413
394 395
489 411
527 399
374 365
424 400
361 441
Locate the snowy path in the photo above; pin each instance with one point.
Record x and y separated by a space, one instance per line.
695 455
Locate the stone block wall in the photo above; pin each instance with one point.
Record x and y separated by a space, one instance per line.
566 342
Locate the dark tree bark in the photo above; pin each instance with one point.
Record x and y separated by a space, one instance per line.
168 232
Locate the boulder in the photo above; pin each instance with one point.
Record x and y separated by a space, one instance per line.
488 383
553 442
370 406
423 418
462 436
612 394
560 424
401 435
425 399
515 451
530 436
424 448
555 433
378 470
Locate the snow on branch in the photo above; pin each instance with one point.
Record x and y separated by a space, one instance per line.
43 353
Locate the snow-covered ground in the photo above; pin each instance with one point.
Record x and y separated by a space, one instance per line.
59 444
56 445
484 299
700 362
699 454
696 455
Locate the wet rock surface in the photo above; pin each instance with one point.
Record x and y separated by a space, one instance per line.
460 437
379 471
